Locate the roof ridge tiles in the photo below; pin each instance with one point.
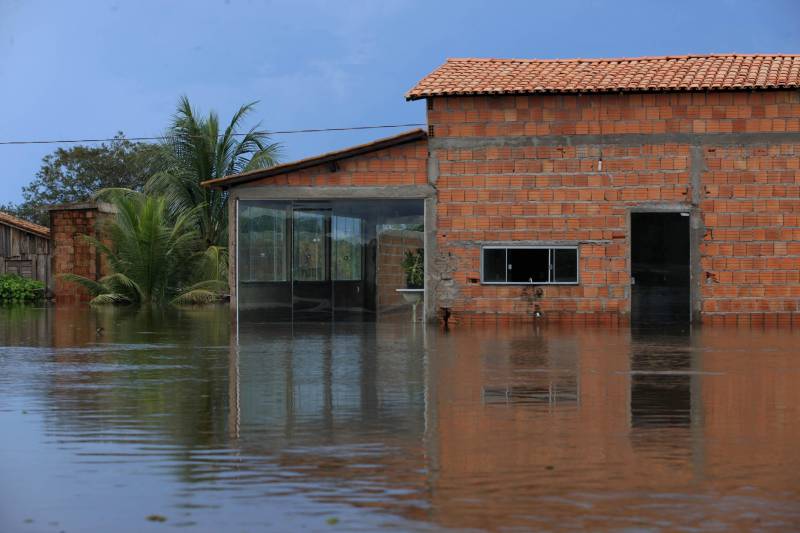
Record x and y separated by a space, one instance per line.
613 59
731 71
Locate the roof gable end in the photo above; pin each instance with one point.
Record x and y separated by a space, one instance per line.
24 225
329 157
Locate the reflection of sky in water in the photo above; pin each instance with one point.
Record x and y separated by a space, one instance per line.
387 425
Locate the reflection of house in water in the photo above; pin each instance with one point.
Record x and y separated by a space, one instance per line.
653 415
496 422
532 375
332 381
344 404
494 427
661 381
551 390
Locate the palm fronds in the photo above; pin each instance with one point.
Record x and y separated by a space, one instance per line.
94 287
195 297
214 263
151 252
110 298
203 152
168 244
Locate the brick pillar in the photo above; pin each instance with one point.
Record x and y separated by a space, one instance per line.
70 251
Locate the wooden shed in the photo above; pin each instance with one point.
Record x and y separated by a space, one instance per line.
24 248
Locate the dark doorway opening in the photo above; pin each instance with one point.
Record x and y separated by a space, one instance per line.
660 284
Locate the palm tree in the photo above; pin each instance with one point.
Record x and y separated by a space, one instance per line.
152 254
202 152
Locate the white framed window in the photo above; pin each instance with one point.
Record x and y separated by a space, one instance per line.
529 265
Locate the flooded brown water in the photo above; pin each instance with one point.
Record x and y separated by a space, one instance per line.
361 427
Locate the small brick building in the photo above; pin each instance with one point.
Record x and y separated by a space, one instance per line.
71 253
583 190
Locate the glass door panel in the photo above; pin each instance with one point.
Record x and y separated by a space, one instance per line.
264 291
347 248
311 280
347 243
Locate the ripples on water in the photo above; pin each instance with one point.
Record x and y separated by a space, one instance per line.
359 427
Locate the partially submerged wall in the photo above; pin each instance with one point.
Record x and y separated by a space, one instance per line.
71 253
567 169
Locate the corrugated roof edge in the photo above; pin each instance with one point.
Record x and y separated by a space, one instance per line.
352 151
24 225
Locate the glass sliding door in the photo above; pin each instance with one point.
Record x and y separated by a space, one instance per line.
264 291
311 280
347 248
325 260
350 295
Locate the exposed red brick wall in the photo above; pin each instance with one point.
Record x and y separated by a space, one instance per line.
404 164
749 197
714 112
72 254
751 251
392 246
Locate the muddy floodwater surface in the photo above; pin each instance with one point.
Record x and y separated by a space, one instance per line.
126 421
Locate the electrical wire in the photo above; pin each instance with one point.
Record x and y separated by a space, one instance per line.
164 137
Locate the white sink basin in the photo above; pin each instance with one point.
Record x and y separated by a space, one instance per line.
412 296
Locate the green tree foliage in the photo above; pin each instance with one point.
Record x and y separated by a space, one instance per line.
203 151
152 254
75 174
14 288
414 266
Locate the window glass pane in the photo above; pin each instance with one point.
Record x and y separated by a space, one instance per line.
347 248
245 227
494 265
262 243
309 246
566 265
528 265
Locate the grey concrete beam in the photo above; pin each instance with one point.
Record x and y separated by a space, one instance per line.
622 139
430 297
233 261
278 192
659 207
697 232
697 165
433 169
546 242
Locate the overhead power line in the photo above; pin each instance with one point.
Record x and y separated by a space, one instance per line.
164 137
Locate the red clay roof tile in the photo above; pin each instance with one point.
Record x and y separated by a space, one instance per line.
470 76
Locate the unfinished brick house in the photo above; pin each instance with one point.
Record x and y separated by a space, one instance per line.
569 190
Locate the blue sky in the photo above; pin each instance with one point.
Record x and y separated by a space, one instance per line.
91 68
